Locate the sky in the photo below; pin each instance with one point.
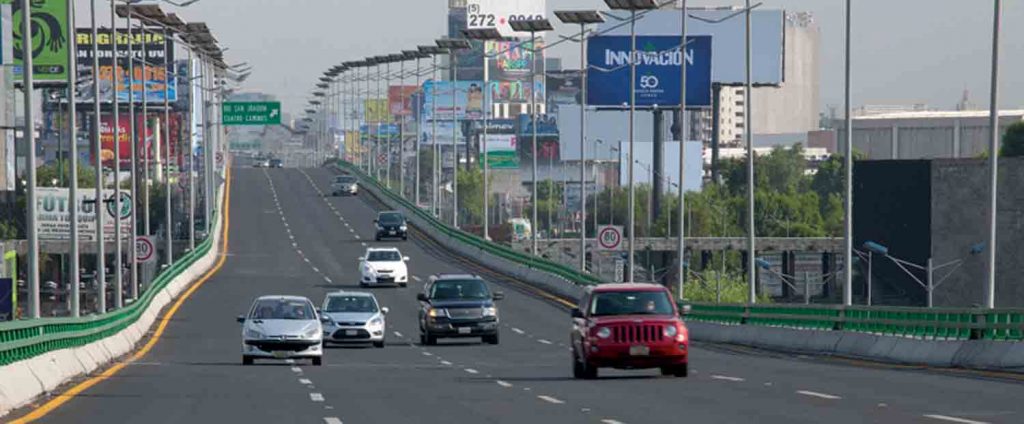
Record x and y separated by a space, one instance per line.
904 51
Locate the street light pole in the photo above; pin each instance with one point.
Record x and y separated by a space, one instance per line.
115 111
133 289
485 35
74 276
749 136
30 140
681 218
169 242
101 272
993 161
848 152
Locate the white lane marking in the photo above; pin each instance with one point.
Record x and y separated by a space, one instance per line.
446 363
289 361
953 419
285 224
818 395
305 381
296 369
293 245
610 421
397 334
427 354
357 236
316 397
305 259
364 244
542 341
472 371
299 251
332 420
550 399
316 270
349 230
328 280
726 378
416 278
503 383
291 237
518 331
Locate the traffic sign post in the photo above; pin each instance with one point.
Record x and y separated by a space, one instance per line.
251 113
145 251
609 237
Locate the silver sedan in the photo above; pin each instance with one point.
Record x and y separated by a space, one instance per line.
281 327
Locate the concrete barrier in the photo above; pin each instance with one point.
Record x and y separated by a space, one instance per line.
24 381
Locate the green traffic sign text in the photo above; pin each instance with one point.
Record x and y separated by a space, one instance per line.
252 113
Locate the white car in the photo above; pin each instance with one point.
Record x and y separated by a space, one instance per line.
383 266
353 318
281 327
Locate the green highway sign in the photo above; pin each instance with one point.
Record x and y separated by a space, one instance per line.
251 113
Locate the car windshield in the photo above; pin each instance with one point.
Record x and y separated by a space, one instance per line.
384 256
631 303
346 180
459 290
390 218
293 309
347 303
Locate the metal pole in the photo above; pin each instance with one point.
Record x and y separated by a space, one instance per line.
101 272
535 227
931 282
993 161
168 222
208 191
148 183
133 288
807 288
433 139
583 149
401 123
632 118
73 152
748 133
681 246
30 140
191 161
387 113
870 257
377 121
455 139
848 152
115 111
483 147
419 132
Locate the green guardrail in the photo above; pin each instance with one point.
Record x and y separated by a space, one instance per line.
20 340
924 323
530 261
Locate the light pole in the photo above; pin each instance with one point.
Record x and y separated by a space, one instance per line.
748 134
533 26
30 140
681 218
418 55
453 46
929 284
583 18
434 51
632 6
993 160
116 130
848 152
101 272
485 35
74 276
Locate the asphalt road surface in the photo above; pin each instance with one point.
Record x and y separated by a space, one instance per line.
287 237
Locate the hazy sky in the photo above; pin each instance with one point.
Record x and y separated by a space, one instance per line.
905 51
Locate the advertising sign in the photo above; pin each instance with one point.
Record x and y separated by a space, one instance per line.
501 152
563 87
153 78
444 133
378 130
515 91
657 71
512 60
124 138
376 110
468 102
49 40
498 13
400 99
54 214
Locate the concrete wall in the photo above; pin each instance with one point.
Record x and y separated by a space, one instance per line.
924 135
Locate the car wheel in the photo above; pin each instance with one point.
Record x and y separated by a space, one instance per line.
405 238
493 340
403 285
318 361
428 339
377 238
582 370
682 370
247 360
379 345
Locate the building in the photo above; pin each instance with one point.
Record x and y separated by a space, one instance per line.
924 134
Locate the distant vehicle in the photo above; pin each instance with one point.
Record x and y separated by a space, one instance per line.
281 327
345 184
521 229
383 266
276 163
261 163
391 224
352 318
628 326
458 306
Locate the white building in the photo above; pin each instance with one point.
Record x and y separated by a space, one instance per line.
925 134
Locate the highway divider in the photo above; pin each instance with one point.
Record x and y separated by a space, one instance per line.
37 356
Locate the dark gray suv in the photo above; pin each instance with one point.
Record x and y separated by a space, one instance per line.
458 306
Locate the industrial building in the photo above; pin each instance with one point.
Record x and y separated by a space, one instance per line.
925 134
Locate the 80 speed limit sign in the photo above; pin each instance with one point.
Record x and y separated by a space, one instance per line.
609 237
145 251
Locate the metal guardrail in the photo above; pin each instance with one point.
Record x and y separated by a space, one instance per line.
20 340
923 323
530 261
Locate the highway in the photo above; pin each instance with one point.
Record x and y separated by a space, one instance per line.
287 237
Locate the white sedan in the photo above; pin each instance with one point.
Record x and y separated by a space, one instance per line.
353 317
281 327
383 266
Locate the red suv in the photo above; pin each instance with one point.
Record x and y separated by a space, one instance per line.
628 326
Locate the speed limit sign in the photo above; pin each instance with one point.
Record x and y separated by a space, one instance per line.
145 251
609 237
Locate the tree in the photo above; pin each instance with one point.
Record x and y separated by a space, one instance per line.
1013 141
46 174
471 197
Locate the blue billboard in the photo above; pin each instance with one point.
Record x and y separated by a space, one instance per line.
657 71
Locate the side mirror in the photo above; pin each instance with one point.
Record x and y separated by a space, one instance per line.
405 258
577 313
375 220
384 310
422 297
240 319
686 309
317 311
498 296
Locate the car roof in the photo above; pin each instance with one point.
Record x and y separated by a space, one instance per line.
282 297
381 249
440 277
384 212
621 287
351 293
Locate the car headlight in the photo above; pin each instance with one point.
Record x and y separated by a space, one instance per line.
403 228
671 331
253 334
490 311
376 322
380 227
437 312
604 332
312 333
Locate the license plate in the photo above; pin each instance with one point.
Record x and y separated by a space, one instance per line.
639 350
351 332
465 330
281 354
391 232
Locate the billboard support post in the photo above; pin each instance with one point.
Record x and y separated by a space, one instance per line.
101 264
681 218
419 133
401 135
630 158
483 146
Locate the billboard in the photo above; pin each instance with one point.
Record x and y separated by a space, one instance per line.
513 60
54 217
658 59
153 79
49 41
124 125
443 135
400 99
563 87
728 40
501 152
376 110
468 100
498 13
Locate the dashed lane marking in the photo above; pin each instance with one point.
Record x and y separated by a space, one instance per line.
550 399
472 371
503 383
518 331
316 397
305 381
818 395
953 419
542 341
332 420
727 378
